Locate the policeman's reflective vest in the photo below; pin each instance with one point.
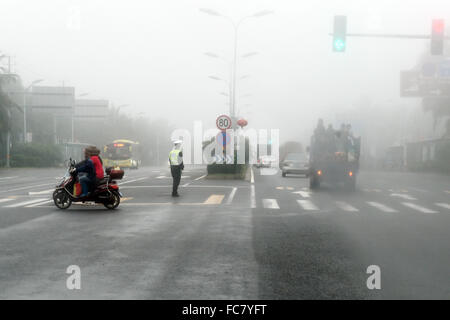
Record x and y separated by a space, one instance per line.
174 156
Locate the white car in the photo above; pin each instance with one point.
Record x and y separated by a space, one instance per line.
266 162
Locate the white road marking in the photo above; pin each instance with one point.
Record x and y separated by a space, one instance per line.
28 187
402 195
39 203
252 177
196 179
252 190
252 197
134 180
372 190
231 196
381 207
6 178
5 200
307 205
304 194
346 207
25 203
418 208
166 177
270 204
169 185
40 192
443 205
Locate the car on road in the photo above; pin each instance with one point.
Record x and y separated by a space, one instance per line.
296 163
265 162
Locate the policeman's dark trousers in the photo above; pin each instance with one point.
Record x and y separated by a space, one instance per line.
176 175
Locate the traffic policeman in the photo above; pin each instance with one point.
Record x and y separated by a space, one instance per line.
176 166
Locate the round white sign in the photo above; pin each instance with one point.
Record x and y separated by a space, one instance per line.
223 122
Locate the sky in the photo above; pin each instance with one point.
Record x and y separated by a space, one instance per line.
150 55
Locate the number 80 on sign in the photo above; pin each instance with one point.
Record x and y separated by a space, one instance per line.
223 122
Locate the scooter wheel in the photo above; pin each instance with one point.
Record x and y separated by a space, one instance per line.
113 201
61 199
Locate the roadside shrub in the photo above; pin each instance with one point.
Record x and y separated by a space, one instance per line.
36 155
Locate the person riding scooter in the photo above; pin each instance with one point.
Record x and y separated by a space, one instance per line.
97 162
87 180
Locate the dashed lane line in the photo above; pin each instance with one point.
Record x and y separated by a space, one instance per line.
403 196
346 207
418 208
443 205
5 200
381 207
231 196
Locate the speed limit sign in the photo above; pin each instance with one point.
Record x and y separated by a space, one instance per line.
223 122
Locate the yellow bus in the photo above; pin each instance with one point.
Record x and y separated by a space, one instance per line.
121 153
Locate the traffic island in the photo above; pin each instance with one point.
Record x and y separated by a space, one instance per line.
227 171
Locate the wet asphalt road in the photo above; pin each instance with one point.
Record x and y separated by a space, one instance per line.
270 238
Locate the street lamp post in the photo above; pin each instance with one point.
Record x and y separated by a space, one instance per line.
229 83
229 94
25 92
236 26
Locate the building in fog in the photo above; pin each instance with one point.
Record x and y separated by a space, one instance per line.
90 118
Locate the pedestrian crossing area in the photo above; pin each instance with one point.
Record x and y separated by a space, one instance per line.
309 205
303 200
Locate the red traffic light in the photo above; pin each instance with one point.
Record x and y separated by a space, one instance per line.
438 26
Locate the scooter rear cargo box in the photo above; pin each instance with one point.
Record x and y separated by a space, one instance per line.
116 174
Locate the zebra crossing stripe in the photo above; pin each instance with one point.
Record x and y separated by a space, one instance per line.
443 205
270 204
304 194
25 203
307 205
346 207
5 200
381 207
418 208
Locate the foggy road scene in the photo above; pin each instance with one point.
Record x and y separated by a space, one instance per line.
225 150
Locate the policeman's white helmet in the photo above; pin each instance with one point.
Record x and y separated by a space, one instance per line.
177 142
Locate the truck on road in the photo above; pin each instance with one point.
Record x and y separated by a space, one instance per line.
334 158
